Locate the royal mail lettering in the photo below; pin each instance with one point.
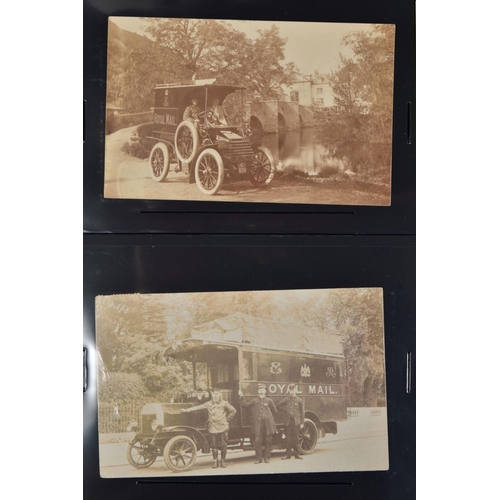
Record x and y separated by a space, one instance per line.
306 389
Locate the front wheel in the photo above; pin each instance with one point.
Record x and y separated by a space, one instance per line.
262 169
308 437
159 162
180 453
209 171
139 454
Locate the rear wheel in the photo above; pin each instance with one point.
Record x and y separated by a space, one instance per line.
308 437
159 162
139 454
180 453
262 169
209 171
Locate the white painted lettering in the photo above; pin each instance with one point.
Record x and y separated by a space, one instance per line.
312 389
320 390
272 388
281 387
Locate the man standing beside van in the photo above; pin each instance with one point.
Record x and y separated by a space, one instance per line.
263 425
220 412
293 408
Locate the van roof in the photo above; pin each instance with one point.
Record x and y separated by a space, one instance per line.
244 329
198 84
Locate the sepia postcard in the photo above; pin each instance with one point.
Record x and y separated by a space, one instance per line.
249 111
264 382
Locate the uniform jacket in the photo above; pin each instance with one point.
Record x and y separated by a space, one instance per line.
219 415
292 407
262 411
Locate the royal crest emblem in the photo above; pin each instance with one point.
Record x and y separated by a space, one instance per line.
276 367
305 371
330 372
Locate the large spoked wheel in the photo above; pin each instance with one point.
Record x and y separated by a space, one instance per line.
187 141
180 453
159 162
308 437
209 171
139 455
262 169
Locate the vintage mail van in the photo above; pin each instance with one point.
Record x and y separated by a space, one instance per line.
239 352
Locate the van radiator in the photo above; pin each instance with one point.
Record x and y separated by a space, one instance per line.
239 149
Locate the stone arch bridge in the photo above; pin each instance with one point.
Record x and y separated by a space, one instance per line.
271 116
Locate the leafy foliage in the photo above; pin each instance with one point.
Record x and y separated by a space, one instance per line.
363 88
123 387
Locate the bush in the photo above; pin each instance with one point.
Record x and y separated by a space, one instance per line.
158 384
328 171
137 149
122 387
290 173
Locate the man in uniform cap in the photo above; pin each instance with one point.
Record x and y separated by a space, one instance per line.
219 414
293 408
263 425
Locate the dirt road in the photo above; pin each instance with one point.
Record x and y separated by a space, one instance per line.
331 454
129 177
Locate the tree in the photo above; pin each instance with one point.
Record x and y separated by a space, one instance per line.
262 69
374 61
363 89
213 49
203 46
135 65
144 69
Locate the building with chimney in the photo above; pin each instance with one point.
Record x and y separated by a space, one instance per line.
313 90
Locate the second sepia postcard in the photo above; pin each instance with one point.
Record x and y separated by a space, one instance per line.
218 383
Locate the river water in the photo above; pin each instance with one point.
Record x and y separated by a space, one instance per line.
300 149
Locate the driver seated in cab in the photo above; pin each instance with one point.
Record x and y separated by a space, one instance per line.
216 114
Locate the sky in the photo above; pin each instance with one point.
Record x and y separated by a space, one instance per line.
311 46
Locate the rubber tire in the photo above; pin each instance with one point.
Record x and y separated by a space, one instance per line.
315 430
168 447
166 156
196 140
220 164
268 181
133 463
